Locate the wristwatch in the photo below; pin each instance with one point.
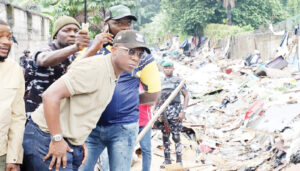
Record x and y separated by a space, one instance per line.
57 137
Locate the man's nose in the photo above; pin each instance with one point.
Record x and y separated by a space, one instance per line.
72 33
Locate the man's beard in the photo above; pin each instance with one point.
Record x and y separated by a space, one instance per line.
2 58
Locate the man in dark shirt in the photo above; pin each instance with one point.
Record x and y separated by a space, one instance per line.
50 61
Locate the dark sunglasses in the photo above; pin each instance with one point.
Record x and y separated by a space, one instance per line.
132 52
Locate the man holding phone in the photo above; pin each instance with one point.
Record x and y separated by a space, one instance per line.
50 61
118 126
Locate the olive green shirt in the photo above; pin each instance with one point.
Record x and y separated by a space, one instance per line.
12 111
91 82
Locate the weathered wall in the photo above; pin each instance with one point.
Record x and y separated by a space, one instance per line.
30 29
266 41
244 44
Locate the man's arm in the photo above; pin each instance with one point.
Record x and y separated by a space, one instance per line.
186 99
149 98
185 104
53 58
79 79
51 101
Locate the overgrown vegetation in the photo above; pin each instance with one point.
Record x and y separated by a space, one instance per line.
159 18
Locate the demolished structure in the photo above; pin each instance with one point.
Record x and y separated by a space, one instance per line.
244 114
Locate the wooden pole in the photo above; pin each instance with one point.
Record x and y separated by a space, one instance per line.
85 12
160 110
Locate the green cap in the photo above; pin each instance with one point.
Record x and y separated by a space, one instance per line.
167 63
131 39
118 12
61 22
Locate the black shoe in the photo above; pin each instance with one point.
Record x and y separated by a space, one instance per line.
166 162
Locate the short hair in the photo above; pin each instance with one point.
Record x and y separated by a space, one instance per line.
3 22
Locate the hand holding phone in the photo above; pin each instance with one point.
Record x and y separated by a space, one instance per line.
103 39
82 37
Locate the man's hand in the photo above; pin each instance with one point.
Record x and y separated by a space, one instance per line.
85 154
58 151
101 39
12 167
181 116
82 39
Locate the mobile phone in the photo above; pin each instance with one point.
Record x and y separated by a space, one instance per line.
106 30
85 27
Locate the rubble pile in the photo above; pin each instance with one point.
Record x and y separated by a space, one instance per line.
243 115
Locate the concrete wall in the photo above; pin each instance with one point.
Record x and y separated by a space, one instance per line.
30 29
244 44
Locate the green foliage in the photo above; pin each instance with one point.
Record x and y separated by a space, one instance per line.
258 12
75 8
191 16
220 31
291 6
155 31
145 10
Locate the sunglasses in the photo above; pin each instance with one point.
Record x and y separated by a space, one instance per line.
132 52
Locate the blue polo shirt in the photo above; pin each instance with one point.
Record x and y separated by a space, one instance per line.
123 107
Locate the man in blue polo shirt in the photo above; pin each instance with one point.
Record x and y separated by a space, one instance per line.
118 126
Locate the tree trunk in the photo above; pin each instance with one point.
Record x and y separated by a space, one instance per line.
229 16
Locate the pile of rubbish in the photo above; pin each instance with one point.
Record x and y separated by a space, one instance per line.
244 114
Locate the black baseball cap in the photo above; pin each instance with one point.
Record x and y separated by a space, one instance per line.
131 39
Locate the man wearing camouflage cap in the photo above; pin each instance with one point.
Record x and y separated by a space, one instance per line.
117 128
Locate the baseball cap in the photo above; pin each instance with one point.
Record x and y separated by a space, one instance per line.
118 12
131 39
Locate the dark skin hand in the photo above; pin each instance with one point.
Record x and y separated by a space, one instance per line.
12 167
57 150
185 104
112 29
51 100
85 154
98 43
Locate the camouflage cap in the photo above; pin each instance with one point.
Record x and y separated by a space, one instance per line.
118 12
131 39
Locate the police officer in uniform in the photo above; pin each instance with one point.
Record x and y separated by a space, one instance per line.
174 114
